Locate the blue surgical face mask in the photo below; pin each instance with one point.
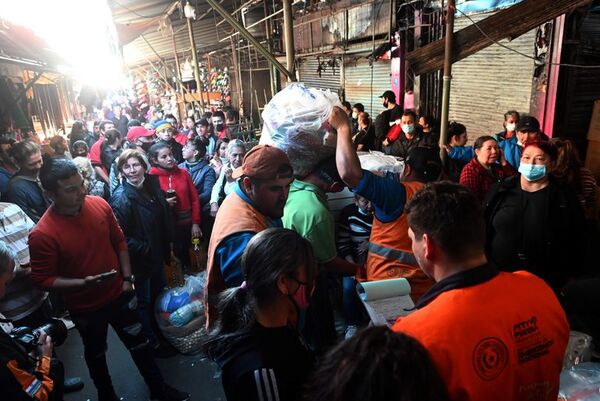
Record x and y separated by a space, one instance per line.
408 128
532 172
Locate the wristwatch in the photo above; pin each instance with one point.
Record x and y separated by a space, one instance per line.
130 279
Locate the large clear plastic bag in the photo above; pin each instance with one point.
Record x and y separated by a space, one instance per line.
578 350
379 162
580 383
180 314
295 120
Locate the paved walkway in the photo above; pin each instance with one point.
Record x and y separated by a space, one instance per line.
194 374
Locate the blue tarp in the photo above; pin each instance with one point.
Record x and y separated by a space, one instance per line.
479 6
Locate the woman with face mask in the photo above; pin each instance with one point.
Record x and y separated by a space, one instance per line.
535 222
140 207
255 340
511 119
486 168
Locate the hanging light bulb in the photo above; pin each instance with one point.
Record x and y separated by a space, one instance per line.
189 11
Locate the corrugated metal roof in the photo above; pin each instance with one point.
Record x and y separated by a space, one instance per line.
206 33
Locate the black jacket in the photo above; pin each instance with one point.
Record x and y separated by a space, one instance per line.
145 220
562 230
401 147
264 364
22 378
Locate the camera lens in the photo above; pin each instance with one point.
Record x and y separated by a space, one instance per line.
56 329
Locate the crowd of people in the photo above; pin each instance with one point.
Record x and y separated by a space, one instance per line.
495 243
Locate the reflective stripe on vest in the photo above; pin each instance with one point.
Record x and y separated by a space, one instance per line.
395 254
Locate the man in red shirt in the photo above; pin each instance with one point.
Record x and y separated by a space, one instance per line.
79 249
96 151
492 335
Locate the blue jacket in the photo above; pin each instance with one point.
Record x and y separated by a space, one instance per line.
463 154
4 178
203 177
512 151
144 217
28 195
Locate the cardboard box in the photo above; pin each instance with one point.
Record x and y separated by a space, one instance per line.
592 158
594 131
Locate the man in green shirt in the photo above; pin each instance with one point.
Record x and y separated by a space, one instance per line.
307 212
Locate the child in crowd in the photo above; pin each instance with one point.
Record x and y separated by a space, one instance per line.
181 196
354 230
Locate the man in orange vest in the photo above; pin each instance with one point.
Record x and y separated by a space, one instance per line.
256 204
390 255
492 335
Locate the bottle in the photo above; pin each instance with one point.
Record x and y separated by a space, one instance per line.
196 256
186 313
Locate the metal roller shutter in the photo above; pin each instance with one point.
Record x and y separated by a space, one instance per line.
488 83
364 84
309 74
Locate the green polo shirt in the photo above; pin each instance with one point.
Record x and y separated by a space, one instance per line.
307 213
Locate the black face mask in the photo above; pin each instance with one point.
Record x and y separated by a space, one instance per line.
219 127
385 104
146 146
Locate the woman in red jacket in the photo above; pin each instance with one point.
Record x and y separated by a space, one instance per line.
181 196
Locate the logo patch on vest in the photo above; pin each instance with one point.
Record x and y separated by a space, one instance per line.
490 357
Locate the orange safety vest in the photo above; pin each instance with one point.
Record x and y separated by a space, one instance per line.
503 339
235 216
390 251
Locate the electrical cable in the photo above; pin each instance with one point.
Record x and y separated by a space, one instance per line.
521 53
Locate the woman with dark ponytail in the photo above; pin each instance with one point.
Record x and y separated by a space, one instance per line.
255 341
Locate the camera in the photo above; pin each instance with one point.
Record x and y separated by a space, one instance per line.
29 337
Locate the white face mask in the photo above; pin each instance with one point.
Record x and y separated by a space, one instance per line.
355 115
139 184
511 127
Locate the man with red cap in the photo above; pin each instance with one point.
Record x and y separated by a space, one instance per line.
142 138
256 204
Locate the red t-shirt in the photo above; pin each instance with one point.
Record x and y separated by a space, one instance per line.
95 152
76 247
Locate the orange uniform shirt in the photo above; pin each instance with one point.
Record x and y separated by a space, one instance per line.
492 336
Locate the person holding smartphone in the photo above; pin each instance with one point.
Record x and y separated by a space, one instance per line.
79 249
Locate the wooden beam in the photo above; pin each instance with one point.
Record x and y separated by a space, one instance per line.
524 17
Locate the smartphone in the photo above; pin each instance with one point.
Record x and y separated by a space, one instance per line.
106 275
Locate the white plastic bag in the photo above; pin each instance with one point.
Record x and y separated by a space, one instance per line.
578 350
379 162
180 314
580 383
295 120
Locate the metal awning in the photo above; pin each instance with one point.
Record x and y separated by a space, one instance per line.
19 45
527 15
144 17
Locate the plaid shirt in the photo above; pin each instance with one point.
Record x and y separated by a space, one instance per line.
22 297
479 179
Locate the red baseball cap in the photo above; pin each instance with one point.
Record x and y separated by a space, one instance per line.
137 132
265 162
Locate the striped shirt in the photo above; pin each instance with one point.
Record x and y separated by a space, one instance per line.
354 229
22 296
